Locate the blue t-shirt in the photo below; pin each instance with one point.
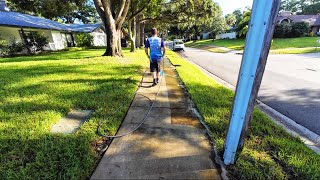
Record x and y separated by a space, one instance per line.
155 44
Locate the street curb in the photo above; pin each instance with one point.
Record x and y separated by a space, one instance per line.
309 138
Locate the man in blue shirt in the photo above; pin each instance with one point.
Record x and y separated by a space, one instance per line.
157 51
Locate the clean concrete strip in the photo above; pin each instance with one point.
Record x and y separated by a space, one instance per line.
309 138
71 122
169 145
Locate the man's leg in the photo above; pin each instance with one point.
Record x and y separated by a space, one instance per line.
153 72
158 70
155 75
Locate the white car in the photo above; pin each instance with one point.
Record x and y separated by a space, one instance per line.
178 45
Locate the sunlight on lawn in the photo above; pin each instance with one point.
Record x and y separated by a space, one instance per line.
36 91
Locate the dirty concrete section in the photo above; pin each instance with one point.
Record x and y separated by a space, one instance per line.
71 122
171 144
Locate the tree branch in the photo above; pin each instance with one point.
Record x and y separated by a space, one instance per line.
123 16
138 12
100 10
121 9
107 10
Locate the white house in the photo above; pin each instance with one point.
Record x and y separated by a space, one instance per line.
60 36
231 35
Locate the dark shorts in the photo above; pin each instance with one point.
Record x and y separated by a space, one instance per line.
155 66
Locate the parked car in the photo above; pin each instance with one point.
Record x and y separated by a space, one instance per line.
178 45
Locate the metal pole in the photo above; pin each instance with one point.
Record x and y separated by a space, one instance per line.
258 41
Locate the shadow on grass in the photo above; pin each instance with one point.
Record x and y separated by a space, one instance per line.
268 150
33 98
61 55
47 157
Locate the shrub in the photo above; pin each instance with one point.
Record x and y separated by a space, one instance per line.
84 40
299 29
3 43
288 30
282 30
10 48
37 41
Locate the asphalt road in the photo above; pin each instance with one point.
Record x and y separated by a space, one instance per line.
290 85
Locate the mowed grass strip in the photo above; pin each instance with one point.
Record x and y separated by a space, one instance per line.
36 91
269 152
279 45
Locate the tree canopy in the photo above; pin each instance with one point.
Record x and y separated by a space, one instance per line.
231 19
64 10
243 25
190 17
301 6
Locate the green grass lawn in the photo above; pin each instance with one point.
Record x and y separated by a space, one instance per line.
36 91
269 152
280 46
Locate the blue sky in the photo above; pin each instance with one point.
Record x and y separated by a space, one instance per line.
228 6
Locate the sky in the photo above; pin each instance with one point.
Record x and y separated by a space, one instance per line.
228 6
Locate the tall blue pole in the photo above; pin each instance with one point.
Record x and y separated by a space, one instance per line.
257 45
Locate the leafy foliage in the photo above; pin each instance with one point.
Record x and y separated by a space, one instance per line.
10 48
238 15
67 10
37 41
84 40
194 17
300 29
243 24
231 19
282 30
301 6
289 30
312 9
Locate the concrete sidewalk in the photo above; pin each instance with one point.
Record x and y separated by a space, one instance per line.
171 144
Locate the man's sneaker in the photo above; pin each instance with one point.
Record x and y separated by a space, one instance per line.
157 80
154 82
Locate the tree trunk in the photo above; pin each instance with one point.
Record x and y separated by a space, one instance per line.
113 42
132 34
137 30
112 18
142 40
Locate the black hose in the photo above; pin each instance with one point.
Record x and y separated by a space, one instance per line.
143 120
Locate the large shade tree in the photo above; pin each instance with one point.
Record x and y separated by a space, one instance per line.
190 16
113 14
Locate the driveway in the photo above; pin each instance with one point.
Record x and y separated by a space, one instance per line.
291 83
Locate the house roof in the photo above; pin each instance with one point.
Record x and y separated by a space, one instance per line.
313 20
29 21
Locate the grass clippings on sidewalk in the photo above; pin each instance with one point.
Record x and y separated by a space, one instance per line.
269 152
36 91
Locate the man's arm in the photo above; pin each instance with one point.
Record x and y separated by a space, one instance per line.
147 52
146 48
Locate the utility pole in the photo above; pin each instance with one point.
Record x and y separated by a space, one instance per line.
257 46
